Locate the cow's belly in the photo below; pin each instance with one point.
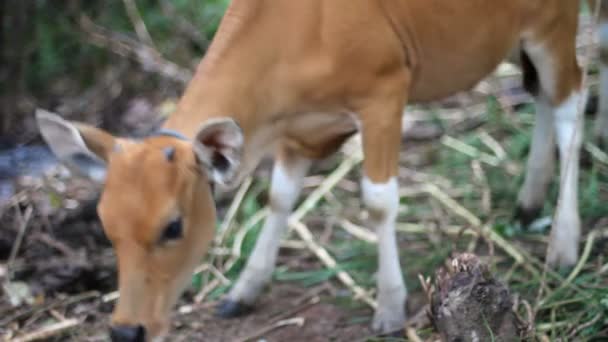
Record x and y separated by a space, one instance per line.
457 43
440 78
317 135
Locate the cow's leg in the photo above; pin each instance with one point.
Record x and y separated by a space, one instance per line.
602 115
381 131
539 170
563 247
560 85
287 175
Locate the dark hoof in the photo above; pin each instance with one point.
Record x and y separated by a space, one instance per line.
586 159
592 106
229 309
397 334
526 216
602 143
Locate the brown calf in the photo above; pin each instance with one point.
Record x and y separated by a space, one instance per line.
296 78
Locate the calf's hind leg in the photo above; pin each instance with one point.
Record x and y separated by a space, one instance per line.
560 93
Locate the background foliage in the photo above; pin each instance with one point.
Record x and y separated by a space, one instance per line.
47 56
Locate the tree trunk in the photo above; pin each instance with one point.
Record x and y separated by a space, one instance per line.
14 37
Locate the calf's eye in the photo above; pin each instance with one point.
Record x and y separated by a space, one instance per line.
173 231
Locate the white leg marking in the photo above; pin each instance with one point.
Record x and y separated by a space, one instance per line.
284 191
539 171
602 115
563 247
383 201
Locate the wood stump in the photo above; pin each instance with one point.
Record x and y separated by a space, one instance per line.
469 304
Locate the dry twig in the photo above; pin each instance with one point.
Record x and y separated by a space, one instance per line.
24 219
585 325
470 150
210 286
183 26
32 309
299 321
138 22
227 223
330 262
412 335
240 237
359 232
48 331
125 46
474 221
233 210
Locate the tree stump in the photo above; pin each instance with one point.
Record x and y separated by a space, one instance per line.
469 304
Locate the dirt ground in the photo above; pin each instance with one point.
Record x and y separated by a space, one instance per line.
314 319
284 313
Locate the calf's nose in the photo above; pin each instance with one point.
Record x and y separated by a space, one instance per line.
127 333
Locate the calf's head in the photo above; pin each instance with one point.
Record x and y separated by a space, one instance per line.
156 208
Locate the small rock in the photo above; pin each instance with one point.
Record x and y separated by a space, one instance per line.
186 309
71 204
18 293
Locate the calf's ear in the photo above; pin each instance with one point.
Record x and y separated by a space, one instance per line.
218 147
80 146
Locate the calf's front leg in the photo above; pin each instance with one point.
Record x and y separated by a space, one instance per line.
381 130
286 183
539 168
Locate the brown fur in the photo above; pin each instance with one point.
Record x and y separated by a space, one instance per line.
143 192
